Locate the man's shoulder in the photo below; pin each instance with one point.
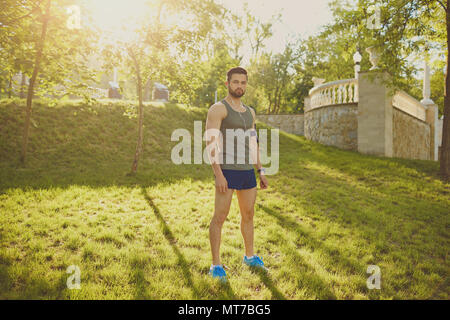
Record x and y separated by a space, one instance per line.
252 110
217 105
218 108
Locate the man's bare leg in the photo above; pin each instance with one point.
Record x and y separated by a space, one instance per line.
221 209
247 198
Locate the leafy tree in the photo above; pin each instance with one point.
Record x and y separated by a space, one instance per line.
34 40
147 57
407 28
273 75
214 75
445 152
410 27
257 31
437 84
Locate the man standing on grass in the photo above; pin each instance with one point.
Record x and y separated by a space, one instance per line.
235 122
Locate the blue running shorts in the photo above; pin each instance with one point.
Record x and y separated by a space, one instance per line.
240 179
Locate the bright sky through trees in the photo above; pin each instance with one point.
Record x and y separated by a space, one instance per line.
299 18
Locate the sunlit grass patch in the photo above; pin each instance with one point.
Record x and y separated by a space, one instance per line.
326 216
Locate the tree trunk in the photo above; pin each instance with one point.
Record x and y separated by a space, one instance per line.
445 148
22 86
278 104
275 102
40 48
141 115
10 85
270 102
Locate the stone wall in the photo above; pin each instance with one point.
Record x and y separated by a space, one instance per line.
334 125
374 114
291 123
372 119
440 124
411 136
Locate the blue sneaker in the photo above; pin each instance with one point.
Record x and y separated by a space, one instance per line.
255 261
218 272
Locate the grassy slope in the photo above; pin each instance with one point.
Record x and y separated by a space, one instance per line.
326 216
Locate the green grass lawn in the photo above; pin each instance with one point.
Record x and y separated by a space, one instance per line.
327 215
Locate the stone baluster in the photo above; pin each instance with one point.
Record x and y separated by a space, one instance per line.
344 90
350 93
341 92
333 97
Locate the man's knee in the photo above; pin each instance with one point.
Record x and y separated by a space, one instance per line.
247 215
219 217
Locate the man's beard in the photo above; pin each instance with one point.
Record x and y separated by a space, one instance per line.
235 94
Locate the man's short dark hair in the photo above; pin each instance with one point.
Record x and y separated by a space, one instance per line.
238 70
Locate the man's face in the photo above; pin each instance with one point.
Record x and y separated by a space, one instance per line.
237 85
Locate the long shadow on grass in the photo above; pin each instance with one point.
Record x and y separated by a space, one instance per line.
374 198
172 241
18 281
6 282
227 292
313 281
26 284
377 215
335 257
380 226
138 275
268 282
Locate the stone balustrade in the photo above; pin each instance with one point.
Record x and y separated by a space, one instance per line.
403 101
365 115
331 93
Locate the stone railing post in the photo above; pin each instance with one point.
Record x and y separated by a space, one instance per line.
375 128
307 103
431 114
432 120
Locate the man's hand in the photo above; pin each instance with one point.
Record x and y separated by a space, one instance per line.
263 183
221 184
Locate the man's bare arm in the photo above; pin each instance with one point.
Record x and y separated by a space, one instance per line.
255 145
213 121
263 180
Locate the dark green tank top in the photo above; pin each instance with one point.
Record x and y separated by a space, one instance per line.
240 160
